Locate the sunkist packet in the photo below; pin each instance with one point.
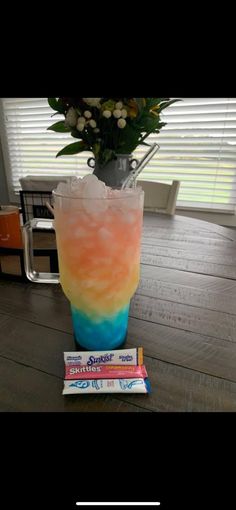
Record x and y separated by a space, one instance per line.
119 371
119 357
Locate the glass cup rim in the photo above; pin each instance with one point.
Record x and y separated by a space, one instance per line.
138 191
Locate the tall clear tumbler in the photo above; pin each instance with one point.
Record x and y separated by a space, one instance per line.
98 243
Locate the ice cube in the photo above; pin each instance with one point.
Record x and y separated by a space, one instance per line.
62 188
72 220
76 186
95 206
129 217
90 178
80 232
94 192
94 188
105 234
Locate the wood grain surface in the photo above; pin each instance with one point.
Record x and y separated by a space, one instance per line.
183 314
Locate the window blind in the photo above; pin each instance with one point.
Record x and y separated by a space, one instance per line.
197 147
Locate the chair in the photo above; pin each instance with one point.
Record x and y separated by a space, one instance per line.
33 204
160 197
44 183
35 193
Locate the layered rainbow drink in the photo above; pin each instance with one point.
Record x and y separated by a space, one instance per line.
98 233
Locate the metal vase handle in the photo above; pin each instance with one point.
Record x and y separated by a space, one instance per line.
91 162
27 230
132 163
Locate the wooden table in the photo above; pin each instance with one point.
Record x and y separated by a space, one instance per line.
183 314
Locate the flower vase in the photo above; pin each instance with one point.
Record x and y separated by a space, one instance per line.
115 171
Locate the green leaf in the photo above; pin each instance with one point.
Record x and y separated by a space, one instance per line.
56 104
105 156
165 104
52 101
145 143
60 106
139 101
59 127
76 134
96 149
151 101
128 139
73 148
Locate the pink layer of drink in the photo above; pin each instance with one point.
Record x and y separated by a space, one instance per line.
104 372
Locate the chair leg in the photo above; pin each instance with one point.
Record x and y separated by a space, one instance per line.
54 262
22 267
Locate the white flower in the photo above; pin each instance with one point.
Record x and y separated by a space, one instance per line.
87 114
80 126
81 120
92 123
71 117
92 101
124 113
117 114
96 130
121 123
107 114
119 105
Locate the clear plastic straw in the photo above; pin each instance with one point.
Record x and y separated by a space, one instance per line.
130 180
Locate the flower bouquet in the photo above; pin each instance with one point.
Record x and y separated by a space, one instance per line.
107 127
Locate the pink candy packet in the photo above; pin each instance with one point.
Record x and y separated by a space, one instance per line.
104 371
